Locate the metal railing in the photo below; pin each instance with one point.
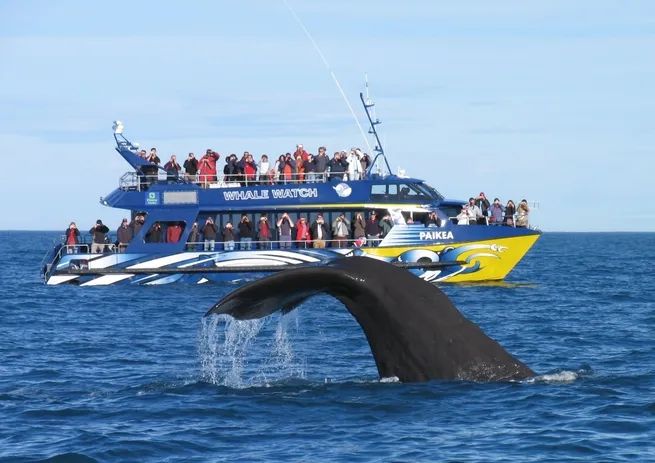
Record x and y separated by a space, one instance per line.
506 222
238 245
136 181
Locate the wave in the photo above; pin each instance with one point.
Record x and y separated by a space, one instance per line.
68 458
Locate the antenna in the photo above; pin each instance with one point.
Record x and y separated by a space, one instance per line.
327 66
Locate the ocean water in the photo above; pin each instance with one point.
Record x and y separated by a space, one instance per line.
135 374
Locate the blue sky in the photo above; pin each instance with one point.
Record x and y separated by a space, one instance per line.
550 101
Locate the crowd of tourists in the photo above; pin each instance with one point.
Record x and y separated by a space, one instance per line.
297 167
479 211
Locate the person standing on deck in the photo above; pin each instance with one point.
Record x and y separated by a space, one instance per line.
228 237
151 171
72 238
354 165
209 232
124 235
474 212
496 213
99 233
338 166
191 168
194 238
302 233
340 228
173 232
386 224
522 214
483 203
264 168
319 232
359 226
300 152
207 167
373 230
172 169
137 224
320 165
248 168
245 233
285 228
264 233
510 210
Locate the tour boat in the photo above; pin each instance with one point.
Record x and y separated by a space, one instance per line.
440 250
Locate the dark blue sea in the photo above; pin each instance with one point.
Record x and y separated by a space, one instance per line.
135 374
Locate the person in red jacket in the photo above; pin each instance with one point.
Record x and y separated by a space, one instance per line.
300 151
302 233
207 167
72 238
249 168
173 232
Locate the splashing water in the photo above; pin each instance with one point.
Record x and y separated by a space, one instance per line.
231 356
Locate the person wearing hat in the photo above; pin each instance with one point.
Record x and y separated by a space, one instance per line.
99 233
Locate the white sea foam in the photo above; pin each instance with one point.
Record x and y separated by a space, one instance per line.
390 379
559 377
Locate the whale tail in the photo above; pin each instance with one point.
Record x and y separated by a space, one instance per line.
414 331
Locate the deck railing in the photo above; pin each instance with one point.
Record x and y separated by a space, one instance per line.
137 181
505 223
237 245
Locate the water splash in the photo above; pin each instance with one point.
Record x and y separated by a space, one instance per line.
244 353
390 379
560 377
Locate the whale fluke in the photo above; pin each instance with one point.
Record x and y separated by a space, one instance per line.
414 331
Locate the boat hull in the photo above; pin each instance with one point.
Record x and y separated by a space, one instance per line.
480 260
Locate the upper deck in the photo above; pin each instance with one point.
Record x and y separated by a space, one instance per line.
135 193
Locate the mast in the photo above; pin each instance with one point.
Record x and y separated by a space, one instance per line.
379 151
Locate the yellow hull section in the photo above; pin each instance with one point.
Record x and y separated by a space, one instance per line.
485 260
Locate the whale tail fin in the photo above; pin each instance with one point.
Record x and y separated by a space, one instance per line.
414 331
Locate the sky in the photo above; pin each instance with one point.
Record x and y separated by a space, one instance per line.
552 101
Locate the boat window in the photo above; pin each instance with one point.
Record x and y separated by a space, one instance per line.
407 191
414 217
432 191
165 232
379 190
412 191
